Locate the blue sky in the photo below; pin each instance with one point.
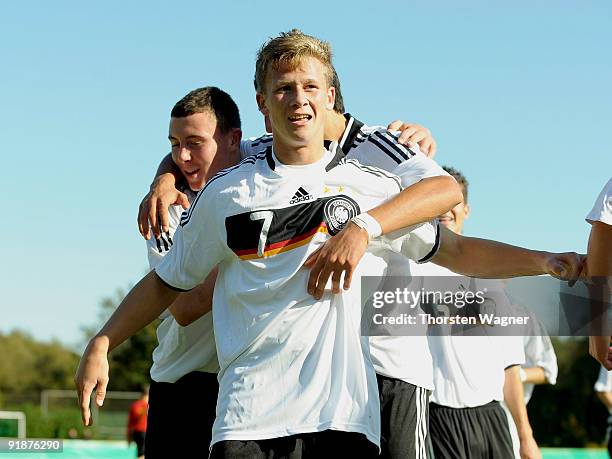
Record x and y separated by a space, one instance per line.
518 97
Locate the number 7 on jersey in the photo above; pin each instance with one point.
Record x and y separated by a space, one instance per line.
266 216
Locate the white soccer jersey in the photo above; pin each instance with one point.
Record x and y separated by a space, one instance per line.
469 370
539 352
602 209
181 350
604 381
402 357
288 363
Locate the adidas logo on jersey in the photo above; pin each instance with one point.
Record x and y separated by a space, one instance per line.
300 195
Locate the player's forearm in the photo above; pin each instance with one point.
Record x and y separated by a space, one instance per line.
488 259
167 166
515 401
599 261
535 375
418 203
142 305
190 306
599 268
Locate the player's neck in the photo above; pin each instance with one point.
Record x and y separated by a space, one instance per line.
292 155
335 125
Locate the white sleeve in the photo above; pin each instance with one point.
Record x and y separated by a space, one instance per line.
539 352
254 145
381 149
512 349
245 148
154 254
602 209
158 248
419 242
418 168
199 244
604 381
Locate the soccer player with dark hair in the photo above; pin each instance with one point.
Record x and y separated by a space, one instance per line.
205 135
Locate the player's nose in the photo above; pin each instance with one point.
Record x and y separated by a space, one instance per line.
184 154
299 99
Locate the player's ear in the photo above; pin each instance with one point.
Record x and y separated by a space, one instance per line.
268 123
261 104
331 98
466 211
235 137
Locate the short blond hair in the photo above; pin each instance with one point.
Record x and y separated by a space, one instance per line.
289 48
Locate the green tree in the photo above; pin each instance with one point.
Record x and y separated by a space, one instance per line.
27 366
569 413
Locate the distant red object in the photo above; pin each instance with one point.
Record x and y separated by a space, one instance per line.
137 419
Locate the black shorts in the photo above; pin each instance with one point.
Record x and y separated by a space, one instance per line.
609 435
317 445
403 419
139 439
181 416
476 433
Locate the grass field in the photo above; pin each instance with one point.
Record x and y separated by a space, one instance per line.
83 449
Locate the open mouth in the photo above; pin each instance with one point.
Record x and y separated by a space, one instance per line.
300 118
192 173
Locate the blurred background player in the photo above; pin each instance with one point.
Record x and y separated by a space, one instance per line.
599 266
540 367
472 375
137 422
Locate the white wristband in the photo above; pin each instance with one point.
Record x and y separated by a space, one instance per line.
368 223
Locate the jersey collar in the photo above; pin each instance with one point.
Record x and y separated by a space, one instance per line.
332 147
353 126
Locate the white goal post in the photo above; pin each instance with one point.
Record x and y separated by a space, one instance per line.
18 416
47 394
109 421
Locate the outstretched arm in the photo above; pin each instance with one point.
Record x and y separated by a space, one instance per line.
142 305
484 258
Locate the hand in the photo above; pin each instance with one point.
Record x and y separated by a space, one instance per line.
91 373
600 350
529 448
340 254
568 266
415 134
153 210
